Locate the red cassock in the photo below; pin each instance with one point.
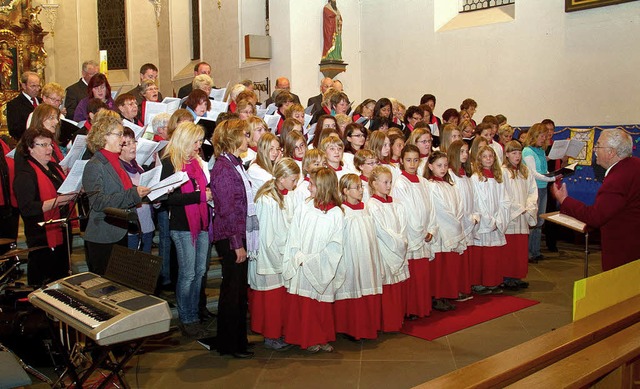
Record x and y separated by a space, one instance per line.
616 212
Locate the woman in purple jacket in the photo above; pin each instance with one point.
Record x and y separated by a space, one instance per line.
235 233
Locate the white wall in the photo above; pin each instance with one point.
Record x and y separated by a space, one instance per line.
296 30
578 68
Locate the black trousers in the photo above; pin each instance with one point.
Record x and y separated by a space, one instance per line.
232 303
46 265
98 254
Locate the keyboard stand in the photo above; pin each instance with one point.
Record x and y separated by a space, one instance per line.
102 359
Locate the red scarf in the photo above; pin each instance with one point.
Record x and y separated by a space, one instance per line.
56 156
382 200
114 161
411 177
284 192
359 206
47 191
487 173
197 214
297 159
254 148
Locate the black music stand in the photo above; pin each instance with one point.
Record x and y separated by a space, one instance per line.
132 268
64 222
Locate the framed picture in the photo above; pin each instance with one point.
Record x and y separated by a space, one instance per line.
579 5
8 66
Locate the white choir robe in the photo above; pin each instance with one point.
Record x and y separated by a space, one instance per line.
265 272
361 262
257 176
299 195
493 205
347 161
445 200
248 156
499 151
343 170
417 214
313 252
366 190
523 194
470 218
299 163
392 242
424 162
395 172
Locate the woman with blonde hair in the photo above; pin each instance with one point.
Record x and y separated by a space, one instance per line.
261 169
257 128
189 221
235 234
109 186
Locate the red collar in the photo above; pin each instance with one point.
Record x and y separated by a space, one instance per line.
462 172
358 206
254 148
325 207
297 159
411 177
334 169
423 156
284 192
394 160
363 178
487 173
434 178
307 179
382 200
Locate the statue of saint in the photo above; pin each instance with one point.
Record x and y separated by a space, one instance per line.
332 32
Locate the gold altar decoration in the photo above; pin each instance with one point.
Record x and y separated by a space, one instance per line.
21 49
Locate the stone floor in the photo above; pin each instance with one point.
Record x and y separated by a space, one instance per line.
391 361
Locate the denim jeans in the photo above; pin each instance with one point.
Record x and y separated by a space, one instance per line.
164 246
192 262
147 241
535 234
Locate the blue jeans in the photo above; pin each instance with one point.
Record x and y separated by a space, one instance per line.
164 245
147 241
535 234
192 263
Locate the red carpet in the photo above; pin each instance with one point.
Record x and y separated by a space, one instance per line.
467 314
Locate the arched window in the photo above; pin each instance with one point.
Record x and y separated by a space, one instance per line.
112 33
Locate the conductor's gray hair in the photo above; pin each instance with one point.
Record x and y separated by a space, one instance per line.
620 141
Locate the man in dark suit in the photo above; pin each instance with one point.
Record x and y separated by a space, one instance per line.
200 68
148 71
317 100
21 106
282 83
616 210
78 91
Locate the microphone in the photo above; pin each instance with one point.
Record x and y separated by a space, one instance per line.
121 214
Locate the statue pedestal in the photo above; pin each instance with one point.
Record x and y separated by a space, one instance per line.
332 68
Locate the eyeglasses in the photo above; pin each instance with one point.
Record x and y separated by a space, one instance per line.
360 135
301 146
45 145
359 187
424 142
602 147
56 101
118 134
372 163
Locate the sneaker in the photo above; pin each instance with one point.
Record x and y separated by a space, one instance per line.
313 349
326 347
480 290
439 305
495 290
193 330
510 285
276 344
463 297
450 306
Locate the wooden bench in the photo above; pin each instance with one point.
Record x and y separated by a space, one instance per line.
591 364
518 362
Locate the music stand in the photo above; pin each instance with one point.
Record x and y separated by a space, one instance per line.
575 225
64 222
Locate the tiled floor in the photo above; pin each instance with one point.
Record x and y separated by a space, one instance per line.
391 361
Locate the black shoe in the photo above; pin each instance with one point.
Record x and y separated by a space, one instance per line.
510 285
533 260
522 284
243 354
411 317
205 314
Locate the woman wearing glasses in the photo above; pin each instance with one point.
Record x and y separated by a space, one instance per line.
35 186
107 185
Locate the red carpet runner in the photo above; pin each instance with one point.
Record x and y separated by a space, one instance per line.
467 314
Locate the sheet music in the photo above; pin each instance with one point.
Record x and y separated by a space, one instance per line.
569 222
78 148
163 187
569 147
73 182
217 107
272 121
75 124
152 108
271 108
151 178
155 156
145 149
435 131
309 109
260 112
137 130
173 103
307 120
218 94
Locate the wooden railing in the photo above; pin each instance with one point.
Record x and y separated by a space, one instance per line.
608 340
